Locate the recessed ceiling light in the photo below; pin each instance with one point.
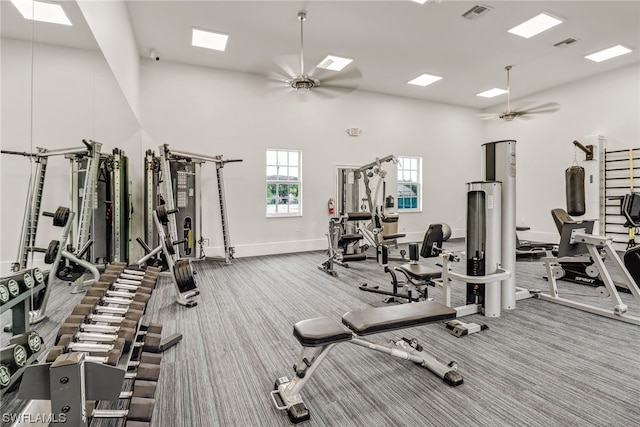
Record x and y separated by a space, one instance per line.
612 52
535 25
209 40
424 80
42 11
334 63
420 1
492 93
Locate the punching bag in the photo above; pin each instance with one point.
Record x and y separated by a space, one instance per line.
574 183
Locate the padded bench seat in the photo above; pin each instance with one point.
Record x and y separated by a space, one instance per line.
322 331
392 317
421 272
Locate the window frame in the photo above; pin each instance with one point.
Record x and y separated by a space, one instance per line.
277 182
400 181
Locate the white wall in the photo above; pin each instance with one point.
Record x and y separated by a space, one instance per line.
74 97
218 112
607 105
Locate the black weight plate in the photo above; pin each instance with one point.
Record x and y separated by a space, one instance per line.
61 217
169 244
161 211
52 252
177 271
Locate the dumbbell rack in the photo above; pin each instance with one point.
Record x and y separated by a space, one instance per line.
36 347
72 382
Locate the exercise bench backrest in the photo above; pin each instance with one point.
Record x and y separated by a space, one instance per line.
631 209
561 217
433 236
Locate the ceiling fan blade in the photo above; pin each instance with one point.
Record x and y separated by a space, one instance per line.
488 116
348 79
280 68
549 107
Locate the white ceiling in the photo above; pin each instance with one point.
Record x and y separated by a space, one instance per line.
391 41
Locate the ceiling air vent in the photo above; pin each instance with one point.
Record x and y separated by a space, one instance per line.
566 42
476 11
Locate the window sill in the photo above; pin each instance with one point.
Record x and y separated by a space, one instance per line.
401 211
283 215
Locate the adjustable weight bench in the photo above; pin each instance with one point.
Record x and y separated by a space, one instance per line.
324 333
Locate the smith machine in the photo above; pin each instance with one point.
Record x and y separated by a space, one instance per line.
98 189
173 216
173 179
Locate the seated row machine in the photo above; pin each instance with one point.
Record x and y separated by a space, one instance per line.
344 247
323 333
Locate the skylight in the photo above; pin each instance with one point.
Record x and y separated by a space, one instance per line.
491 93
424 80
535 25
209 40
334 63
609 53
42 11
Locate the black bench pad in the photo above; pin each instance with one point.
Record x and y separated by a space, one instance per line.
389 318
392 236
421 272
320 331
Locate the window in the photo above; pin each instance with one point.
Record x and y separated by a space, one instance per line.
409 183
283 183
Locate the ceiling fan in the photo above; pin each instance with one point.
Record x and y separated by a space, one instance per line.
509 114
289 72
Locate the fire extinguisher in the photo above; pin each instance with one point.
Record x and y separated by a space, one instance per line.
331 206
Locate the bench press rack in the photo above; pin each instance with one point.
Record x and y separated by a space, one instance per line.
324 333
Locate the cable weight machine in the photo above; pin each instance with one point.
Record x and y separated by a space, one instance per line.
173 178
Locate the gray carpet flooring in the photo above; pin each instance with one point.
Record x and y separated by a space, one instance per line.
541 364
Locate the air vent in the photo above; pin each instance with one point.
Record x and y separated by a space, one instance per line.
476 11
566 42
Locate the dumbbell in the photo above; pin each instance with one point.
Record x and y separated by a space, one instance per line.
9 289
140 409
68 343
15 285
101 307
79 319
12 358
106 293
94 312
128 289
130 282
99 333
110 357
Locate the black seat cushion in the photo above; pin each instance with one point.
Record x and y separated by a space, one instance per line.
388 318
320 331
421 272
